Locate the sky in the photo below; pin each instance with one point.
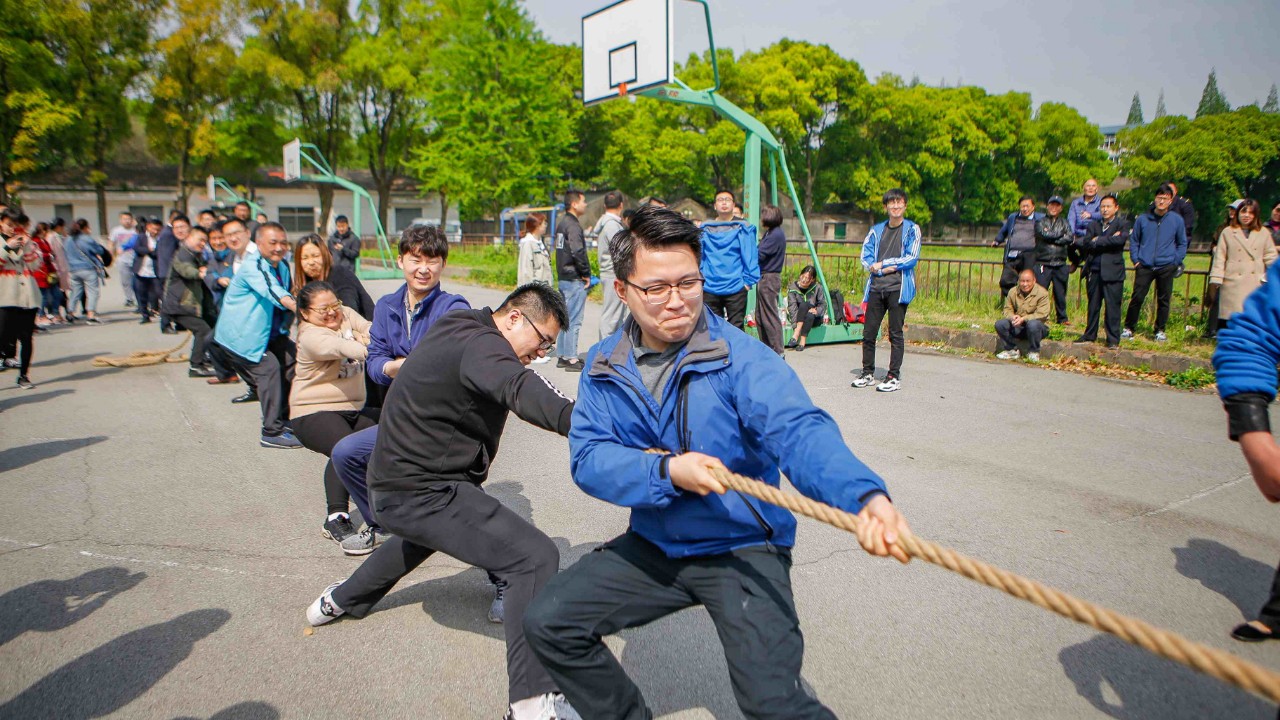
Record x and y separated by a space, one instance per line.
1093 58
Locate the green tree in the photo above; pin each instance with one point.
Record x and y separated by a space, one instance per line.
1066 150
1212 101
299 50
1160 108
190 85
1273 103
500 105
102 46
1135 112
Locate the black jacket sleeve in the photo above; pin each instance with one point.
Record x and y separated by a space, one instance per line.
490 369
1113 241
577 245
351 291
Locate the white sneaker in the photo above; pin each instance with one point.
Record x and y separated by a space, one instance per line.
324 609
550 706
1013 354
1033 357
864 380
1161 337
890 384
1126 334
541 360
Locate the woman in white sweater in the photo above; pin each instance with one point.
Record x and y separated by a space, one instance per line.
1240 259
534 264
326 402
20 260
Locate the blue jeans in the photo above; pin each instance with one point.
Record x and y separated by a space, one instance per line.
575 296
84 283
350 458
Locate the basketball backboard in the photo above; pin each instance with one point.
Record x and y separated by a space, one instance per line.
626 47
292 160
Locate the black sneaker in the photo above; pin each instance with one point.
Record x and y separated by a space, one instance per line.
338 529
250 395
201 371
25 383
497 610
570 364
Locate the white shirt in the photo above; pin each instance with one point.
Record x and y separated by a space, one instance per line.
249 251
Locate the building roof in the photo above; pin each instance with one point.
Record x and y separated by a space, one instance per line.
162 177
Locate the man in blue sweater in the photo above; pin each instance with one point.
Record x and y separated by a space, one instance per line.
1157 246
1245 362
681 379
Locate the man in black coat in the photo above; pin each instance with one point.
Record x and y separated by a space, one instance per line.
1102 249
344 245
166 246
1053 238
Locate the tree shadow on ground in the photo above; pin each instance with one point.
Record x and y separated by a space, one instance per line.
67 359
1129 683
20 457
1244 581
244 711
110 677
51 605
83 375
31 398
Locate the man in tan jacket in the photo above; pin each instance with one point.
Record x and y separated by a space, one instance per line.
1026 308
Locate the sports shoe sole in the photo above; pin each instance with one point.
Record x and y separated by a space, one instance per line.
276 446
315 612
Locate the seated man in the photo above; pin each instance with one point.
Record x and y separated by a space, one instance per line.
679 377
1026 308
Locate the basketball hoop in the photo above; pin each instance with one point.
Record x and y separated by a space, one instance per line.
622 89
626 49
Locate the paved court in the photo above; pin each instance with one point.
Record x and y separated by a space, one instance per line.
155 562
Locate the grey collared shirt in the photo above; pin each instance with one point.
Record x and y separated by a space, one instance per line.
655 366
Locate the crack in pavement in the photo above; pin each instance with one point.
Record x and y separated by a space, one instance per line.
1185 500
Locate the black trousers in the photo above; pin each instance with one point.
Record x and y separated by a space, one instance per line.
460 520
629 582
1143 276
1026 260
1033 330
147 292
730 307
1270 614
878 305
272 375
805 319
1054 278
1109 293
767 318
319 432
201 337
17 326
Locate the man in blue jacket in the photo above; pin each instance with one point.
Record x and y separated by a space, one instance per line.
889 254
1157 246
1245 363
253 331
678 378
1018 235
730 261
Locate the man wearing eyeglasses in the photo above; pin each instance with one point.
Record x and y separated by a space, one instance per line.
438 435
681 379
253 330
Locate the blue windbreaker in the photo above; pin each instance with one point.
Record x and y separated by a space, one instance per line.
245 319
1249 347
1158 241
906 262
393 336
730 397
730 258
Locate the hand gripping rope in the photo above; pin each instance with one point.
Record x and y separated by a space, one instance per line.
138 358
1210 661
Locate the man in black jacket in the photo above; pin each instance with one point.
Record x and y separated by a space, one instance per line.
1102 248
344 245
573 270
1053 238
166 246
439 433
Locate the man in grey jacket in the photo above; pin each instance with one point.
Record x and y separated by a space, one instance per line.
609 225
344 245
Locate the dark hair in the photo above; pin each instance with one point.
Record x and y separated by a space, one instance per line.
23 220
532 221
126 212
206 211
56 223
539 301
627 215
723 191
427 240
268 226
1112 197
894 194
11 214
82 225
1253 205
175 218
571 196
655 200
41 229
326 260
1025 198
811 271
174 214
1165 189
221 225
341 218
242 203
652 227
612 200
154 221
307 293
771 217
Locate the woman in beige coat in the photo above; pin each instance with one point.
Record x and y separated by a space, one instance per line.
1241 259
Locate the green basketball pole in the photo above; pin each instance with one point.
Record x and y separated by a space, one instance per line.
759 140
218 183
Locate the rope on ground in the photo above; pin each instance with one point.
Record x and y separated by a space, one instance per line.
1210 661
139 358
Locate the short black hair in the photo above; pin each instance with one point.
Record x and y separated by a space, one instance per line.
1112 197
539 301
612 200
11 214
894 194
242 203
652 227
257 233
1165 189
1025 198
308 293
571 196
175 218
426 240
723 191
174 214
770 216
341 218
154 221
221 225
126 212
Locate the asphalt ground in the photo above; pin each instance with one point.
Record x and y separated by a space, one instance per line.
155 562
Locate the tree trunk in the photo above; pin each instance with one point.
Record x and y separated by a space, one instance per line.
384 198
100 189
182 181
326 205
444 209
4 180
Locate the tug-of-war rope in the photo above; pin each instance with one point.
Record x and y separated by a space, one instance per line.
1210 661
146 357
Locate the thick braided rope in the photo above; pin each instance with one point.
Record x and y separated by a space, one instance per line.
1210 661
144 357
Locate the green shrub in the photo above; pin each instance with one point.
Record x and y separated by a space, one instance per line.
1191 378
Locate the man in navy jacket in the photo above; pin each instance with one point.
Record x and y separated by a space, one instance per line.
1157 246
680 379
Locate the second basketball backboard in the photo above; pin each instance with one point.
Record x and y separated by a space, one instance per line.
626 47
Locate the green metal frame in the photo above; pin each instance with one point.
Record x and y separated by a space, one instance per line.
311 155
760 142
224 186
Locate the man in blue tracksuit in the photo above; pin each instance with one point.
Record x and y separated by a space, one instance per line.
679 379
730 261
1245 362
1157 246
889 255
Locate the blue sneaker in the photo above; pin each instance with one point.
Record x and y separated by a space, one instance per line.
283 441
